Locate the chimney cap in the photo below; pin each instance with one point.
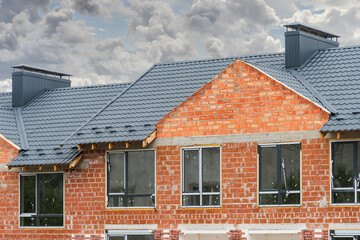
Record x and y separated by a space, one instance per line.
300 27
39 70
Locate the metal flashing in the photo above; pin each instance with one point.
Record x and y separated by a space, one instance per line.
21 128
297 92
316 93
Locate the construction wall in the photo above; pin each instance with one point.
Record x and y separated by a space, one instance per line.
238 110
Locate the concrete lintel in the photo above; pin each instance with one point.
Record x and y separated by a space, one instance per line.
344 226
131 226
271 137
268 228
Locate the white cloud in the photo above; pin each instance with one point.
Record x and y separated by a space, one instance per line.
343 21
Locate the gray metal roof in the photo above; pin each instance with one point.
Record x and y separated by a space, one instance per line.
8 126
335 73
133 116
54 115
124 112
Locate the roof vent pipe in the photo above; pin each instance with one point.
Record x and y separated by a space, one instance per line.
302 41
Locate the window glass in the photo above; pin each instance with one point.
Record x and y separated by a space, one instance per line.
41 199
28 193
50 193
191 170
343 157
117 175
201 177
117 238
290 166
131 179
141 172
211 170
140 237
279 174
268 168
132 237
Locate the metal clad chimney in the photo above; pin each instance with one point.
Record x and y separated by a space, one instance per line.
302 41
29 82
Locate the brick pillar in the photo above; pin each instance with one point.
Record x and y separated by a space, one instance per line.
236 235
174 234
307 234
158 234
325 234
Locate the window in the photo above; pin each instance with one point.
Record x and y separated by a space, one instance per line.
131 179
345 164
345 235
41 200
129 235
279 174
201 176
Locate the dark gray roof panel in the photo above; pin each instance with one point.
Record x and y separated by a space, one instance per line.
54 115
8 125
335 73
148 100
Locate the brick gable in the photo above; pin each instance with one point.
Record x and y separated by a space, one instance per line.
241 99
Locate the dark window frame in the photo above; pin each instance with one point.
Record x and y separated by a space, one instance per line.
355 189
125 194
37 200
201 193
126 233
278 191
347 234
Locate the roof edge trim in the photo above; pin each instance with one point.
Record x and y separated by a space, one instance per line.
10 142
323 108
106 105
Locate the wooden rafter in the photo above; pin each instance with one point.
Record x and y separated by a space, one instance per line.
80 147
40 168
323 135
93 146
149 139
111 145
23 168
128 144
75 161
55 168
8 168
338 135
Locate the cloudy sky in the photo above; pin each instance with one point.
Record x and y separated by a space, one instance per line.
108 41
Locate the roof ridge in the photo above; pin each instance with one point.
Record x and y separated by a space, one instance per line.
215 59
106 105
338 48
89 86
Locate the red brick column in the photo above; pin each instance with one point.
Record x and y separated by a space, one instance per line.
325 234
174 234
307 234
158 234
236 235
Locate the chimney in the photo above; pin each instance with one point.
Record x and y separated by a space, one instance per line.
27 82
302 41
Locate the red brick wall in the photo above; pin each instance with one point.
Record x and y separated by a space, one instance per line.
85 211
241 100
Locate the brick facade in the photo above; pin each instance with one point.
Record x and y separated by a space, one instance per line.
239 100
